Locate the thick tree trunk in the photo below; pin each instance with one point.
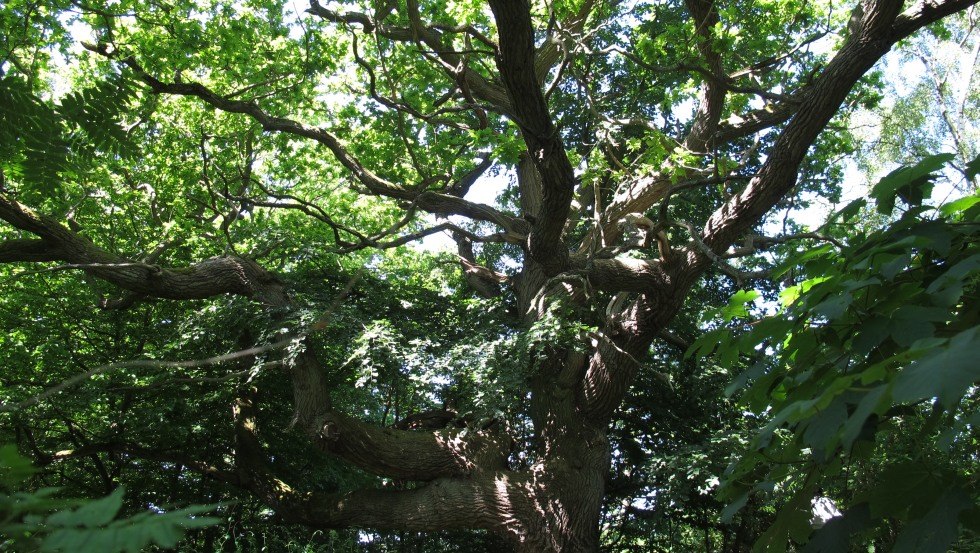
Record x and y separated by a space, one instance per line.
568 489
561 497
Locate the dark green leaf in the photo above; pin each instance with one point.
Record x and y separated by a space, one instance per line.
945 372
909 182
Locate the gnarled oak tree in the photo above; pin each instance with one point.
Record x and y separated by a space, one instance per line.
646 143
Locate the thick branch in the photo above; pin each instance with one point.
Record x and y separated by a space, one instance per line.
713 92
923 13
778 175
516 65
759 120
440 505
26 250
443 503
410 455
607 378
482 280
208 278
621 274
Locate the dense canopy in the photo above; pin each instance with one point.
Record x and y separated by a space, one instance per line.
226 288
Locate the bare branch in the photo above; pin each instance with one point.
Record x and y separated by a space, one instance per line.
143 364
755 243
173 457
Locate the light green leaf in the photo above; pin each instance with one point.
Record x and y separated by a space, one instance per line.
737 304
960 205
98 512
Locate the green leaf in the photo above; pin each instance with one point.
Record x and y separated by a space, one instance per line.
14 467
98 512
735 506
823 429
945 373
870 404
937 530
871 333
792 520
737 304
959 206
789 296
835 536
848 212
973 168
911 183
833 307
949 285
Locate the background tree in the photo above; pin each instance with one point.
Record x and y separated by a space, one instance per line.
225 177
936 104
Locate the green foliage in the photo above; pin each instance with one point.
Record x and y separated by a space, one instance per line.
38 521
936 106
911 184
32 147
42 143
878 346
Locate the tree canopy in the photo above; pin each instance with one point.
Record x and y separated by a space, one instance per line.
227 321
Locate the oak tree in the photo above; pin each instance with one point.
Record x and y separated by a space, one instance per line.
206 209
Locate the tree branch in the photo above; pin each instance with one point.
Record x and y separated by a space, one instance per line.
544 144
712 99
410 455
451 62
26 250
208 278
213 471
779 173
432 202
443 503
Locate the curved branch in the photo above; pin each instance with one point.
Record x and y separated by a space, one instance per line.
779 173
516 64
442 503
713 94
620 274
432 202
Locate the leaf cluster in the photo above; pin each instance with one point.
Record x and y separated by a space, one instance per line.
40 521
875 349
